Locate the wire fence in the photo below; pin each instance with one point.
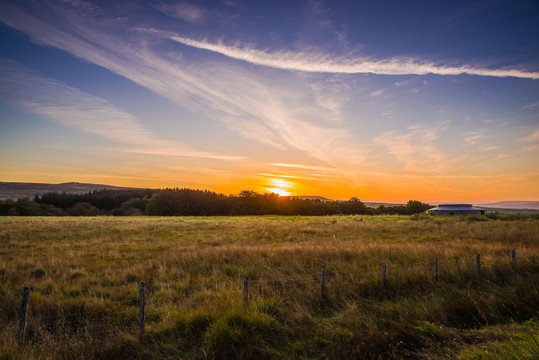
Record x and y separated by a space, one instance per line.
94 314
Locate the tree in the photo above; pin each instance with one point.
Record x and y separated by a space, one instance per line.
83 209
417 207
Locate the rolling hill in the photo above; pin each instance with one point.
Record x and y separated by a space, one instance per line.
532 205
19 190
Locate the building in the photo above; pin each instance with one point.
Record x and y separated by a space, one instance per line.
455 209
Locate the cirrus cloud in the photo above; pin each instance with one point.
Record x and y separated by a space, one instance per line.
322 63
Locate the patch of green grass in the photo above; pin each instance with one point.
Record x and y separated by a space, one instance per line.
510 341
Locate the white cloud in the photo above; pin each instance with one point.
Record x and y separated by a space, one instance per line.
472 139
416 149
402 83
184 11
331 94
323 63
72 107
251 107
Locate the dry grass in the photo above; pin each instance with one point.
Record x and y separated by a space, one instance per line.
84 275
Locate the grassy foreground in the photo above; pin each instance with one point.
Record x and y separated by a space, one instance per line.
84 273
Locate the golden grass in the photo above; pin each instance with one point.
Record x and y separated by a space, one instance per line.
84 272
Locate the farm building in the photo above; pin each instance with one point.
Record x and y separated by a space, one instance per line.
455 209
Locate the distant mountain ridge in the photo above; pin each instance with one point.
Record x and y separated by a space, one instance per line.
19 190
533 205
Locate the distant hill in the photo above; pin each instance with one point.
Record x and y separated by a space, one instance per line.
533 205
19 190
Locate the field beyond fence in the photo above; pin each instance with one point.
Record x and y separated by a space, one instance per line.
269 287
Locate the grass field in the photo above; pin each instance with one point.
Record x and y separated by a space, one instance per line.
84 278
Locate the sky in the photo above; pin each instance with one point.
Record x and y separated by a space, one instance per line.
384 101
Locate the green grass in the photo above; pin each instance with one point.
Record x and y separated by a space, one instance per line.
84 275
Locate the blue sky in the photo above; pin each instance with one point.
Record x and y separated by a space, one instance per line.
387 101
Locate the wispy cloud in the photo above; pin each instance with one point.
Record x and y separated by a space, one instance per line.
416 149
473 139
184 11
532 138
251 107
72 107
531 148
530 106
305 167
323 63
331 94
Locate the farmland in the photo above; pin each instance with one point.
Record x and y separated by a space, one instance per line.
84 274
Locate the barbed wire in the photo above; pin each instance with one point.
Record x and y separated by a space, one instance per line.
130 289
90 320
111 297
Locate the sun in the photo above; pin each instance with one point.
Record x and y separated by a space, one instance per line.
280 186
280 192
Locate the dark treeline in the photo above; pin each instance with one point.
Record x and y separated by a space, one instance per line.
189 202
102 199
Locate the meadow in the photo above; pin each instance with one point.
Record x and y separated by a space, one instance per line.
84 274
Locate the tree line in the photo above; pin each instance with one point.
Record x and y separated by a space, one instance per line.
190 202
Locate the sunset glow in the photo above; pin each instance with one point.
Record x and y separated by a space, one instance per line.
349 99
280 186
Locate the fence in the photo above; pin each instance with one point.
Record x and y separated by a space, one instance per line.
133 303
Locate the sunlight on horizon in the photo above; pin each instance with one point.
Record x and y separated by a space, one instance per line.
280 192
280 186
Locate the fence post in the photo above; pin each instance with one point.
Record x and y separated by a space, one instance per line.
436 269
514 258
478 263
22 319
323 283
245 292
384 266
141 309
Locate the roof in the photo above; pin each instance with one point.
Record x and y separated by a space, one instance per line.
456 209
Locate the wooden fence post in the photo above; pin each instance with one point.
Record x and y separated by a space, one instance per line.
245 292
436 269
384 266
22 318
478 263
323 283
514 258
141 309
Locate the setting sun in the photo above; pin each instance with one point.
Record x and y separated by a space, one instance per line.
280 186
279 192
